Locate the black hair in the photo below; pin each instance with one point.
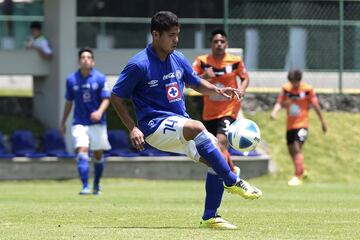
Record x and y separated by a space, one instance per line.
35 25
216 32
295 75
163 21
85 49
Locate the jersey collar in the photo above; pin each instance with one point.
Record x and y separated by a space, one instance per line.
90 74
153 54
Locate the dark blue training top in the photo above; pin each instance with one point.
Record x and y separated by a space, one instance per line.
155 86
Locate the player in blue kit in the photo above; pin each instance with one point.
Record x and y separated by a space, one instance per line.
154 80
89 90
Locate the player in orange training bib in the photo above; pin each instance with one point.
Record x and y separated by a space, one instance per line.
221 69
297 97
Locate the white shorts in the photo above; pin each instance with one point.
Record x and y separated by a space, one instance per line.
94 136
169 137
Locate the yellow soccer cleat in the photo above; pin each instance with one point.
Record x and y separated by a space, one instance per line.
244 189
258 191
217 223
295 181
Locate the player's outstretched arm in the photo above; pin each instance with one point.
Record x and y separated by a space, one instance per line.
208 88
136 136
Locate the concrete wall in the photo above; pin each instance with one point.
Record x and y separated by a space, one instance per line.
137 167
112 62
27 62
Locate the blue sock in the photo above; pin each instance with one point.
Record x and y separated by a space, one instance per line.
214 192
98 171
213 156
83 168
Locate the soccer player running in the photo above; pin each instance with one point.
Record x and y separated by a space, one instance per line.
154 80
221 69
297 97
89 89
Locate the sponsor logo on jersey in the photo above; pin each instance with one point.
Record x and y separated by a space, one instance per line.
153 83
86 96
178 74
228 69
294 109
75 87
151 124
173 92
95 86
169 76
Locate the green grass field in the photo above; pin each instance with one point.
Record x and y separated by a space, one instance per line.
327 206
329 157
144 209
16 92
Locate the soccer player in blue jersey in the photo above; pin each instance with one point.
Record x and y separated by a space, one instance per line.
89 90
154 80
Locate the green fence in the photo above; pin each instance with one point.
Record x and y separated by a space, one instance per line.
275 34
313 35
311 29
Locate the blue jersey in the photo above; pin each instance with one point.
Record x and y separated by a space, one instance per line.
87 94
156 87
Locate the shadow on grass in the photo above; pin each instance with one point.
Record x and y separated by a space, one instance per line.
147 227
165 227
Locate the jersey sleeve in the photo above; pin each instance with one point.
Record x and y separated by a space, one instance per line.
281 97
312 97
241 70
127 80
69 94
197 66
191 78
105 91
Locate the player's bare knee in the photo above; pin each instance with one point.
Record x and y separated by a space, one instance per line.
198 127
192 128
98 155
222 141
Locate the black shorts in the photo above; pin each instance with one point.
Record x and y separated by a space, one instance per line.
299 134
218 125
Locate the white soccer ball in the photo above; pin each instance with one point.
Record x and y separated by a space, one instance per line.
244 135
